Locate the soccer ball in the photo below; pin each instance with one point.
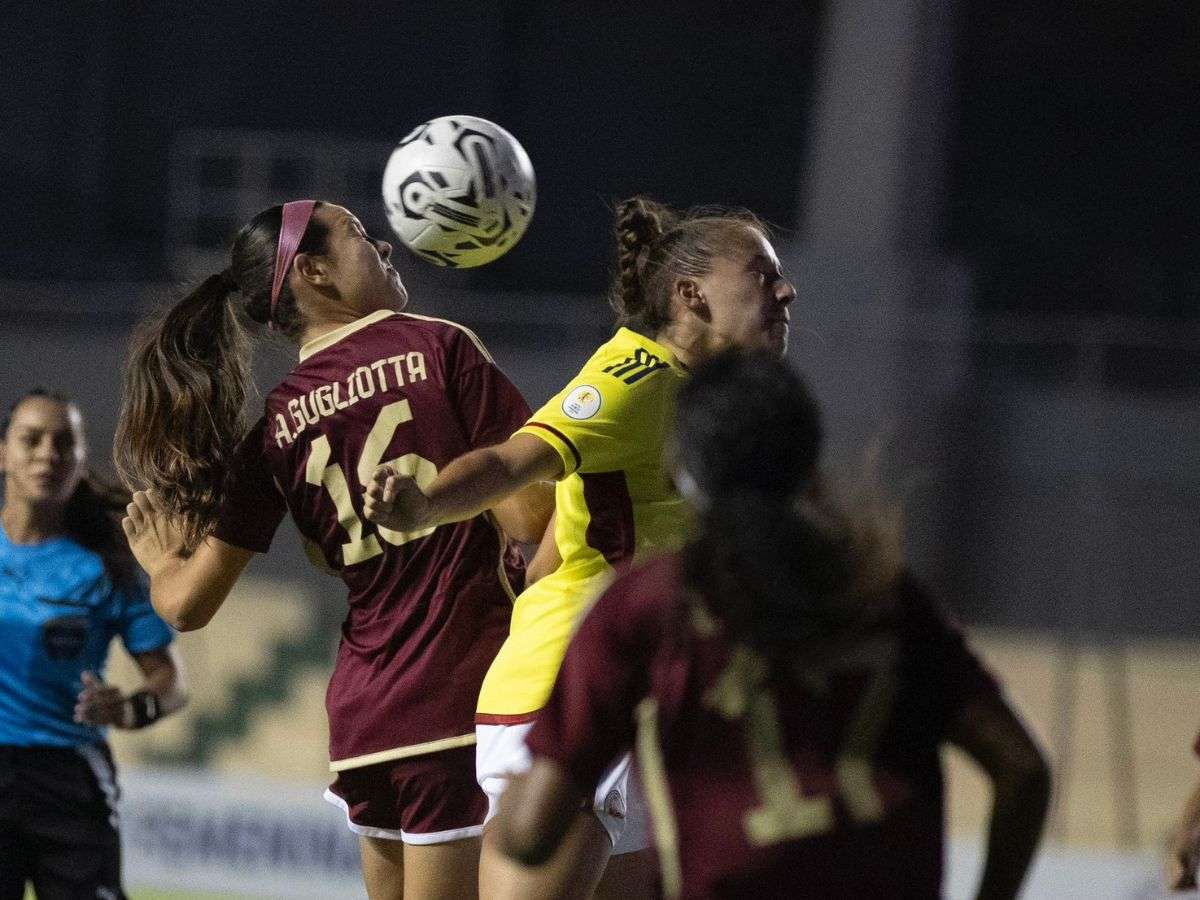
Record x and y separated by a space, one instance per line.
459 191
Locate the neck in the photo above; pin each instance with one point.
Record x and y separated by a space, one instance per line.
332 313
338 318
30 523
687 345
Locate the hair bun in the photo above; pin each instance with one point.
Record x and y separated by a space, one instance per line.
639 223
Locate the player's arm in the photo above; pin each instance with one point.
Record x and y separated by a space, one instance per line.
538 808
546 558
1185 846
162 676
525 515
989 732
162 693
477 481
185 589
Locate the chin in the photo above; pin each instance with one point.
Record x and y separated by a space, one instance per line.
400 297
776 346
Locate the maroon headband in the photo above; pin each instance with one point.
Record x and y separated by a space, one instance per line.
296 216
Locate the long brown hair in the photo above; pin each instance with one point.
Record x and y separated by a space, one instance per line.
779 557
188 375
91 516
656 244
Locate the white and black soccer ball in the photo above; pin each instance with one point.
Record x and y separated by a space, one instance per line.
459 191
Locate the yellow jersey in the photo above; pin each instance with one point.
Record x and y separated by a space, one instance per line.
615 506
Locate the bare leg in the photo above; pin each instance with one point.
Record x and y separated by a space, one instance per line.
571 874
447 871
393 870
383 867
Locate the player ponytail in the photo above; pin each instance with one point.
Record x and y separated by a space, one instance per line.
776 558
188 375
655 245
92 513
640 225
186 382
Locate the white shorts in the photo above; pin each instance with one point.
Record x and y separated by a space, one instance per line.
500 753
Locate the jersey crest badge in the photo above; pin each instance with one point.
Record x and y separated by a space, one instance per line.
582 403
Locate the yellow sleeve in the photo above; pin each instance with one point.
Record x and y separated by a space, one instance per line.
596 422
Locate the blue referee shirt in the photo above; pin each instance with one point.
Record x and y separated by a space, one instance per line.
58 612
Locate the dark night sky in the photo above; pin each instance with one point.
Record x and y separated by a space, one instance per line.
1076 124
1074 184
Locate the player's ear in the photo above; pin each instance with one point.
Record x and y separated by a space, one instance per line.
2 469
312 268
687 291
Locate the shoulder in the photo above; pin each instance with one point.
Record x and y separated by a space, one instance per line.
933 634
641 601
249 465
625 360
254 442
63 568
444 332
621 375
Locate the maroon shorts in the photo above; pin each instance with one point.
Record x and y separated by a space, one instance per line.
427 799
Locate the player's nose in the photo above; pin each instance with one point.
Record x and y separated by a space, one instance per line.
785 292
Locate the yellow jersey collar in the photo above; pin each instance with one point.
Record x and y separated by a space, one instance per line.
629 336
329 338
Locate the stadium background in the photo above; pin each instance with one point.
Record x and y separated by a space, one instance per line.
991 215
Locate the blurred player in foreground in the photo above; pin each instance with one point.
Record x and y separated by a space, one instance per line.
68 586
428 607
1184 856
687 287
785 682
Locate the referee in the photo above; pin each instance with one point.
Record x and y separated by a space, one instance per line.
68 585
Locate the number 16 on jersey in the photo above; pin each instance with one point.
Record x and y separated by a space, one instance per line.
321 472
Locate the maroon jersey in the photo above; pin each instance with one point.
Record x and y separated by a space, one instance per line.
428 610
812 778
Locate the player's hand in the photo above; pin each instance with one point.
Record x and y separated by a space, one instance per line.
394 501
101 704
1185 853
153 534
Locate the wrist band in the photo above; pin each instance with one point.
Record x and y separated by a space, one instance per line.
145 707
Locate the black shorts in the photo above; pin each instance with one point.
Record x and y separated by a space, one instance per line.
58 823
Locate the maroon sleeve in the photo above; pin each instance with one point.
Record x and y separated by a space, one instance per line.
589 719
489 405
251 506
